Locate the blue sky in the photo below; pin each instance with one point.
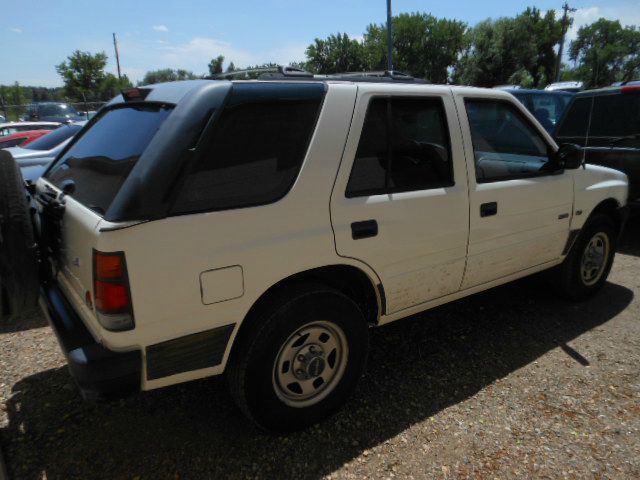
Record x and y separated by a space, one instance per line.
37 35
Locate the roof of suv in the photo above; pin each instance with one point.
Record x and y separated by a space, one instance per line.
609 90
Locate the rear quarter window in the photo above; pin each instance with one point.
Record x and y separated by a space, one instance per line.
101 160
615 115
254 151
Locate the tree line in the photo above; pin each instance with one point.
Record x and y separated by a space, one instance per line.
509 50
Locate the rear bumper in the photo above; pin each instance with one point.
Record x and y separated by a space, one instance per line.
100 373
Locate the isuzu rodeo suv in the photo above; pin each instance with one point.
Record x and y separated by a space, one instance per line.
260 228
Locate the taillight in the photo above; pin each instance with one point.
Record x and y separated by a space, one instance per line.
631 89
112 296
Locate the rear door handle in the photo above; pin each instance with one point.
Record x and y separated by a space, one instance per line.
488 209
364 229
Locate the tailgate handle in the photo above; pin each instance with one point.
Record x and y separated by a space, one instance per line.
488 209
364 229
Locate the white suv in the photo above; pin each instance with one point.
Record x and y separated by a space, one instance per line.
260 228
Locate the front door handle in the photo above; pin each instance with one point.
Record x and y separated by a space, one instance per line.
365 229
488 209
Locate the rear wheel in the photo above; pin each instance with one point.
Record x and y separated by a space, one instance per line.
589 262
299 358
19 280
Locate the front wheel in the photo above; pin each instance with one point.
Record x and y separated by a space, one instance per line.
589 262
299 358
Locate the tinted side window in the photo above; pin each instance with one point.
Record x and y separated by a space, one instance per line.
548 108
505 145
576 120
252 157
404 146
615 115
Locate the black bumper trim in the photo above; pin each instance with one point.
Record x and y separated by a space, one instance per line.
101 374
192 352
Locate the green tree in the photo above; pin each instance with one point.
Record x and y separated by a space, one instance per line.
606 52
511 49
166 75
423 45
336 53
216 65
231 67
111 86
83 73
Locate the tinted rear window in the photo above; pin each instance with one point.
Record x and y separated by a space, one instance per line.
55 138
576 121
615 115
100 161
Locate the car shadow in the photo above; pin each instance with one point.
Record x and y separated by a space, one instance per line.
19 323
417 367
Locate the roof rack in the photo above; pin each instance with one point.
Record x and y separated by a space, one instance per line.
293 73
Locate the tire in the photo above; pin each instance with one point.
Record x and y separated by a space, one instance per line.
324 319
19 278
580 277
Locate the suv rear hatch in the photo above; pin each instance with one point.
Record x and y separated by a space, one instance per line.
79 188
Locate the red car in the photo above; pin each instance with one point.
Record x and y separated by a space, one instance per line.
20 139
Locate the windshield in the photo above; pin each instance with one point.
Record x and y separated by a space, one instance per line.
55 138
101 160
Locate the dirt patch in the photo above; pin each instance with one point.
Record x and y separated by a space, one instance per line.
508 383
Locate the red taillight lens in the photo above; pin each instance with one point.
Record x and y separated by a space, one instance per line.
109 266
111 293
631 89
111 297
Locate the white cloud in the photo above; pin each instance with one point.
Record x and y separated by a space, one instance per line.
198 52
16 30
161 28
587 15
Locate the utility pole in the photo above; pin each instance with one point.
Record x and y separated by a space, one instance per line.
389 38
565 25
115 46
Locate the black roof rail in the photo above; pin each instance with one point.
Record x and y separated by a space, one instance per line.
281 72
377 76
265 73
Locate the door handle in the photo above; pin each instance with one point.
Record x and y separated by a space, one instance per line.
364 229
488 209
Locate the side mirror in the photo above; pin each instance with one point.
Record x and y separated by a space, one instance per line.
569 156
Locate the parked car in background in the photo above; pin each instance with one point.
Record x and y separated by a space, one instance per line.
628 82
87 115
20 139
566 86
13 127
606 122
2 119
546 105
43 150
53 111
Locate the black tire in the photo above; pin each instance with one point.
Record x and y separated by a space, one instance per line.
251 374
19 278
568 276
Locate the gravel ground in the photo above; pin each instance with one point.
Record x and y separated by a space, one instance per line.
508 383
